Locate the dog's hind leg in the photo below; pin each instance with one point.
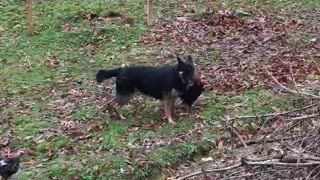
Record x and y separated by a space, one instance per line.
117 103
118 111
111 106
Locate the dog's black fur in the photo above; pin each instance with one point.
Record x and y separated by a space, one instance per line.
156 82
191 94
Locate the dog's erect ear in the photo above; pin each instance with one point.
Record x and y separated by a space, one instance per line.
190 59
179 60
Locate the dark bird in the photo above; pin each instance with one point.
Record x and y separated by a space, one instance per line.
10 165
191 94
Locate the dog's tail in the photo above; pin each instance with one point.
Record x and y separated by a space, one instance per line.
106 74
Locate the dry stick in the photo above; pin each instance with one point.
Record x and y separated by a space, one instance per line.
236 131
229 129
242 176
299 120
305 117
276 162
264 123
232 175
268 140
317 175
210 171
30 28
273 114
290 90
314 61
231 135
252 163
312 172
301 151
304 155
233 130
149 12
293 80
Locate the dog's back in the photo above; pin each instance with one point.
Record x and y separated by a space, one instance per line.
153 81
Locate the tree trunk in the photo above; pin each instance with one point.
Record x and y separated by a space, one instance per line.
30 27
149 13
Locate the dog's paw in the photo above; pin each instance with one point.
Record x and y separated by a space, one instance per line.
171 121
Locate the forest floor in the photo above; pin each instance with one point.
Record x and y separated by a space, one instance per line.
52 106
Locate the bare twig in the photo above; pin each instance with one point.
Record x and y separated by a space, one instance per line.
277 162
301 151
290 90
315 62
273 114
295 151
293 80
271 139
267 140
305 117
236 131
252 162
298 121
210 171
232 175
242 176
309 175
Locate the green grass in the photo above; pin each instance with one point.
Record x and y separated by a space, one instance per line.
36 88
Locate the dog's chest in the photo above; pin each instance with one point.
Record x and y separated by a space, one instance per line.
175 92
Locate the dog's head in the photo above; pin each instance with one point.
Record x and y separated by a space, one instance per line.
186 70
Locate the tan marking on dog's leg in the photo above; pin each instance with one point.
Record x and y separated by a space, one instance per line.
167 111
118 109
111 104
121 101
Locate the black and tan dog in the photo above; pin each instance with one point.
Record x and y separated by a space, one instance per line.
163 83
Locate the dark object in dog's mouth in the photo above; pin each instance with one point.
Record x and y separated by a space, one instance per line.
191 94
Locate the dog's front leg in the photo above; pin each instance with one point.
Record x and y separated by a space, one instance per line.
172 103
167 110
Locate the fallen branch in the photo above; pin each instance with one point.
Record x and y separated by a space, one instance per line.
290 90
210 171
245 162
266 140
233 130
239 136
298 121
309 175
315 62
244 176
273 114
293 80
277 162
304 155
305 117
